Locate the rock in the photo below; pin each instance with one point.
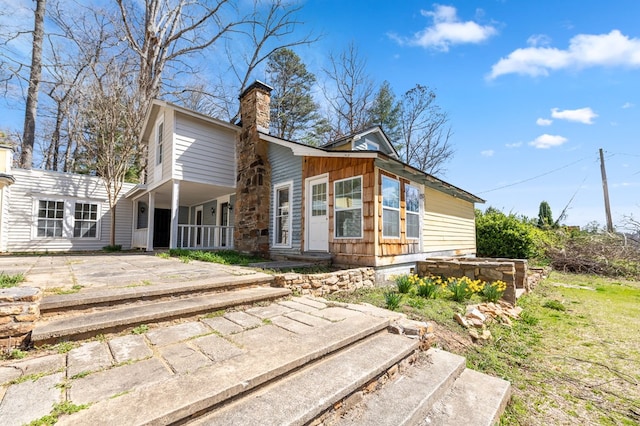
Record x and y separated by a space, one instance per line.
476 314
461 320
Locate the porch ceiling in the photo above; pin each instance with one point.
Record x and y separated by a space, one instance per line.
191 193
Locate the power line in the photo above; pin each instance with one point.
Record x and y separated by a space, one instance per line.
534 177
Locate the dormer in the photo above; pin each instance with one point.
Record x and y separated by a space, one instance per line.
371 139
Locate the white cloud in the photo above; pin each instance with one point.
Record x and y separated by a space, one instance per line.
544 122
514 145
487 153
547 141
627 105
539 40
581 115
585 50
447 30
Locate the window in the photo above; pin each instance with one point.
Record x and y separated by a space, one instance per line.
85 220
50 218
412 200
390 208
319 199
159 138
347 205
282 217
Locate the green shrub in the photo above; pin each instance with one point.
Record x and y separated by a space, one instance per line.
405 283
392 300
113 248
428 287
499 235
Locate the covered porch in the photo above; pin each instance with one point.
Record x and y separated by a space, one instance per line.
182 214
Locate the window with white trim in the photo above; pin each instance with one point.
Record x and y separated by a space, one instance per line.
282 215
85 222
412 209
390 207
347 205
50 218
159 140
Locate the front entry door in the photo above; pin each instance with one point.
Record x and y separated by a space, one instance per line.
161 228
224 222
317 214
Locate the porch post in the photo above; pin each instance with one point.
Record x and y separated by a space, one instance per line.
175 198
150 224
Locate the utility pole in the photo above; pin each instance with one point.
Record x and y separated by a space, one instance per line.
605 189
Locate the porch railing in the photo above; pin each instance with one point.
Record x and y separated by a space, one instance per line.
205 237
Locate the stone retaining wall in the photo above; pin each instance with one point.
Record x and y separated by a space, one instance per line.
19 310
321 284
512 271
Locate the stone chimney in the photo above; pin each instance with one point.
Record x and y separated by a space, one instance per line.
253 183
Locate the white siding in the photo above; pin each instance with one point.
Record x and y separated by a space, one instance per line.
34 185
166 116
448 225
204 152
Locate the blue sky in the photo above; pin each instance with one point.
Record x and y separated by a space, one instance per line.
533 90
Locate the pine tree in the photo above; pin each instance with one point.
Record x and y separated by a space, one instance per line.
385 112
545 218
293 110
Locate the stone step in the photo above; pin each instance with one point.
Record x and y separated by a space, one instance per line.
306 394
260 356
409 397
109 296
87 325
475 399
520 292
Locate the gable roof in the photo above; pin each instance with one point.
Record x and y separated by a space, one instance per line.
382 160
375 132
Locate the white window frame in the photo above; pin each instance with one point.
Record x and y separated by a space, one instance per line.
160 141
336 209
68 217
390 208
289 234
411 212
96 221
38 218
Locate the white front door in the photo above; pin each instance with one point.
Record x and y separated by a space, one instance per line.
317 214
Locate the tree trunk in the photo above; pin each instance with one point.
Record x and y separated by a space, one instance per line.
28 140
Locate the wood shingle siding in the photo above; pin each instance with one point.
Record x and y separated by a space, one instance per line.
353 251
448 225
34 185
203 153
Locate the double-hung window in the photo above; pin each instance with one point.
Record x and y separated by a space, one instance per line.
390 207
282 215
85 222
159 142
347 205
50 218
412 201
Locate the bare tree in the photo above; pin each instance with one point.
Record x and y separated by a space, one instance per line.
109 128
31 108
425 131
165 32
350 91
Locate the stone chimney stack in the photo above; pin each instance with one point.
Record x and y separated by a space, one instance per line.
253 183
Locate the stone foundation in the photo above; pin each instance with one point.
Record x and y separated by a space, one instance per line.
512 271
19 311
319 285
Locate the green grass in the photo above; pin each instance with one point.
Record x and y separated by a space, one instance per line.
225 257
59 409
8 281
577 365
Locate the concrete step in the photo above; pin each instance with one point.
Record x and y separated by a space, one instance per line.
90 324
475 399
110 296
407 399
306 394
267 354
